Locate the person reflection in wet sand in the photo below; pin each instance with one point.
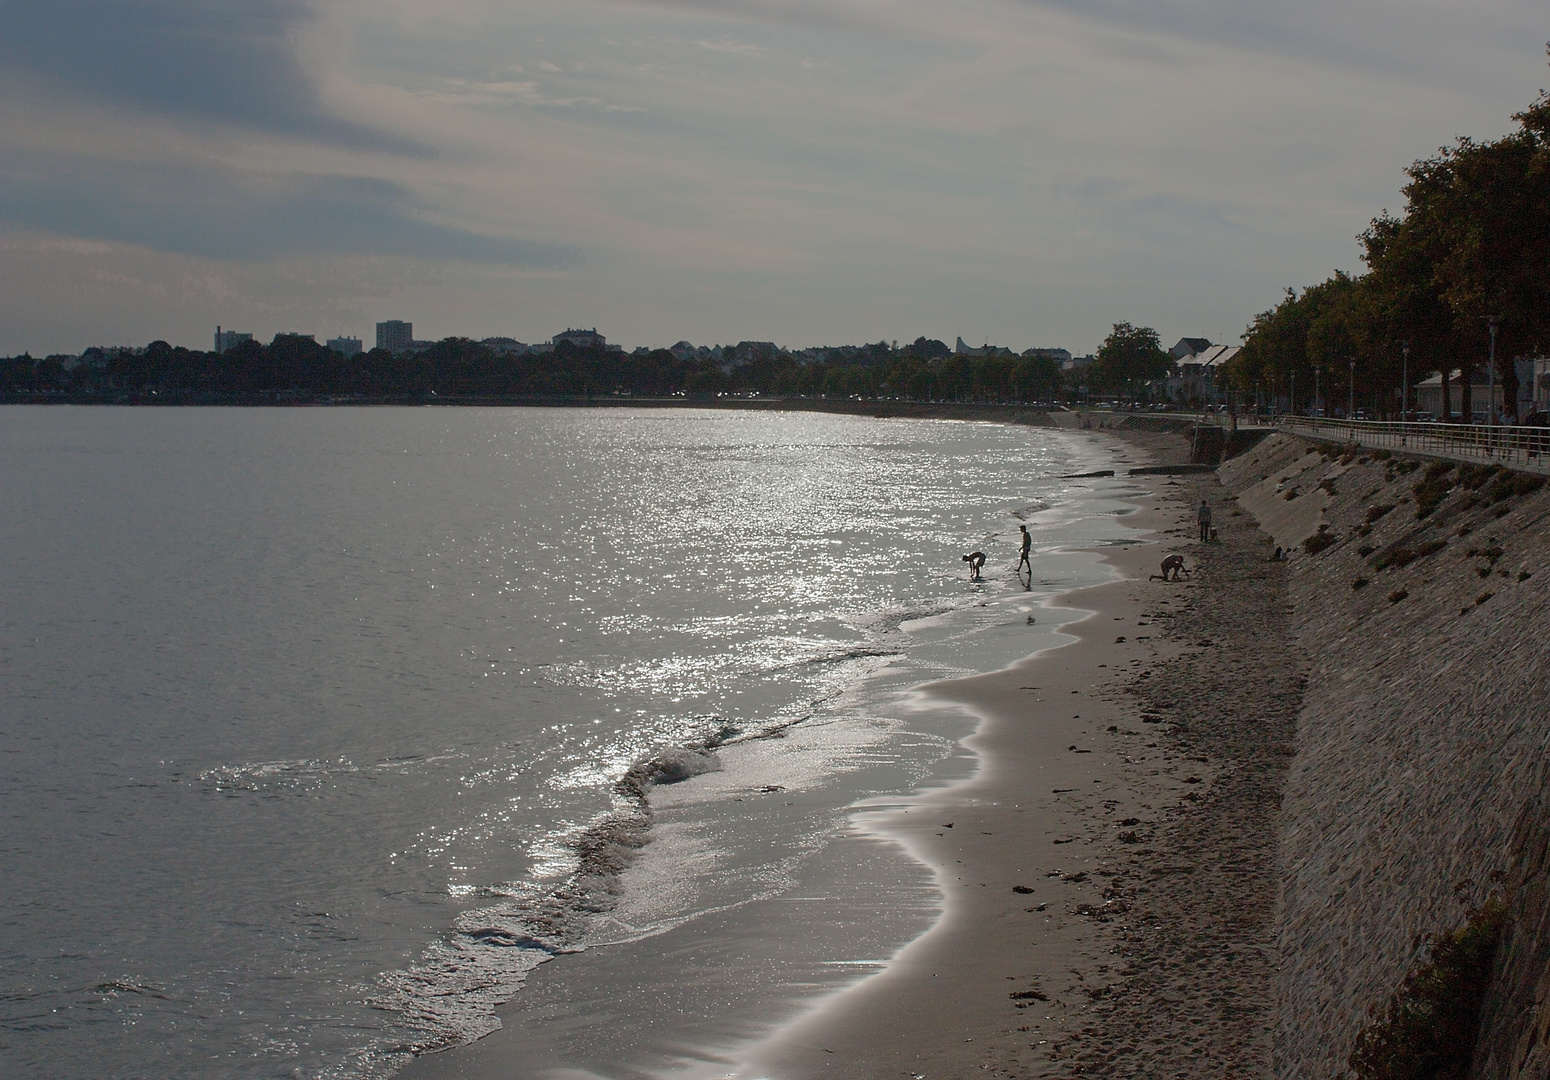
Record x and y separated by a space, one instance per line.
975 559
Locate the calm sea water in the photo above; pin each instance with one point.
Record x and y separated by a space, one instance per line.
314 720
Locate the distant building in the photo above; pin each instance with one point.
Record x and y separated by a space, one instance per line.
347 346
1212 359
504 346
395 336
98 356
1428 395
582 339
1189 346
1533 385
1060 356
748 351
286 335
229 339
1197 377
963 349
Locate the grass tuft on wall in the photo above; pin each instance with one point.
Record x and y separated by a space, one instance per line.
1429 1029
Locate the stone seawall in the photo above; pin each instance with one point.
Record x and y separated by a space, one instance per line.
1417 786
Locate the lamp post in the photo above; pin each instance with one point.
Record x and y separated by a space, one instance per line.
1404 384
1490 374
1318 402
1294 392
1350 409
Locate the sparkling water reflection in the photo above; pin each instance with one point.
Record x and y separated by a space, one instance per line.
295 695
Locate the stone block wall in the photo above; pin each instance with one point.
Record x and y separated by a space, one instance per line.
1417 786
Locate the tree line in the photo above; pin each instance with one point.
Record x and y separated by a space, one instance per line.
298 368
1467 260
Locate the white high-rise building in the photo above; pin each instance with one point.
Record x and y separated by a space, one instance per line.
228 339
395 336
349 346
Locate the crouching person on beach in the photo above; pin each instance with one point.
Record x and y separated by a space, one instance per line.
1172 567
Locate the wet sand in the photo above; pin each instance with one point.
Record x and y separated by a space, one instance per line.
1130 782
1108 872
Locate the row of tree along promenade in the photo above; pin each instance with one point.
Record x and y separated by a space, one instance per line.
1457 285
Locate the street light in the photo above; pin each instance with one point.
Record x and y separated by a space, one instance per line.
1490 374
1350 409
1404 392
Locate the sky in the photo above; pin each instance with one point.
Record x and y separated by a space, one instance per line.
1019 172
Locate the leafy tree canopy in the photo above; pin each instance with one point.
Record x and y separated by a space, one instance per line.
1472 243
1130 355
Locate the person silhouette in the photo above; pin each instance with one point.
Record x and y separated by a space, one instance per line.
975 559
1023 560
1172 567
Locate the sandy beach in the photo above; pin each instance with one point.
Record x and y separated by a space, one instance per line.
1107 872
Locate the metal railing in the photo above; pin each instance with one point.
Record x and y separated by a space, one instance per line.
1526 448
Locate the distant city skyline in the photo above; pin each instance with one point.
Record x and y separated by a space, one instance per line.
394 334
1000 170
397 335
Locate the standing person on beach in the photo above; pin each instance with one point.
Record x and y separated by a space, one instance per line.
1203 515
975 559
1027 544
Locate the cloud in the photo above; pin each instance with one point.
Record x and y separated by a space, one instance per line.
229 62
191 210
744 48
805 170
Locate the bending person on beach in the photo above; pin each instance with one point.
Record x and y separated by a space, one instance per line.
1027 544
975 559
1172 567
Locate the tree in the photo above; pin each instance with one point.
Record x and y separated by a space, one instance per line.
1400 302
1128 356
926 348
1473 242
1035 378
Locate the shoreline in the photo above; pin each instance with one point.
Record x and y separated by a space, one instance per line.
1029 941
1029 415
1156 854
856 936
1008 976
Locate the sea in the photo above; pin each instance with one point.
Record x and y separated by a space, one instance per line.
334 737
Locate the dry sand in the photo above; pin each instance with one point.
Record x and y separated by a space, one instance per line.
1109 872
